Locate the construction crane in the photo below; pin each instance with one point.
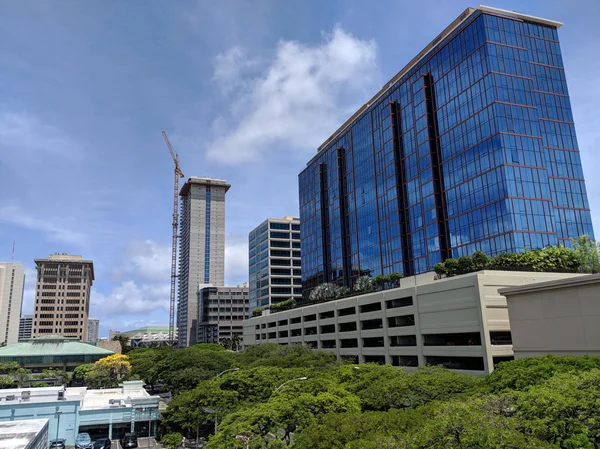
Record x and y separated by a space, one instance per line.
178 174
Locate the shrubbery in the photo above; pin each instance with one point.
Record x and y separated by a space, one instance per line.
583 258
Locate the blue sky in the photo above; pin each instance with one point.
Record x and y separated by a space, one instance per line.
246 91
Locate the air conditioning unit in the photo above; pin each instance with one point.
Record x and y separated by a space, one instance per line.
61 395
10 397
25 395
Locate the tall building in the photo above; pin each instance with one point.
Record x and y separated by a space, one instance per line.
471 146
25 326
12 282
221 312
201 248
62 297
93 330
274 258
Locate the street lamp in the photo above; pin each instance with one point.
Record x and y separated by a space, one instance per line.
291 380
57 413
226 371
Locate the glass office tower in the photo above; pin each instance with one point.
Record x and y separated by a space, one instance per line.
470 147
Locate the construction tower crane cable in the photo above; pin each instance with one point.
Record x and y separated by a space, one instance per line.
178 174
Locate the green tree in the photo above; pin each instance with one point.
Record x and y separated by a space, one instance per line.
563 410
80 372
586 251
124 341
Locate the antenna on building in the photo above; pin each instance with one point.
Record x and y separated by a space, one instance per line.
13 251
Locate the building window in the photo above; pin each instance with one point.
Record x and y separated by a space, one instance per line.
399 302
379 359
461 363
375 342
405 360
371 324
349 343
370 307
325 315
403 340
347 311
459 339
347 327
401 321
501 338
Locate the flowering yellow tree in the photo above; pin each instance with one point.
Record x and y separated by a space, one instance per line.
107 372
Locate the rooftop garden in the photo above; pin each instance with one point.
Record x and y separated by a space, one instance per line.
583 257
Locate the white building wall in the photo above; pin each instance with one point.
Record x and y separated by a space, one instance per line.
559 318
12 281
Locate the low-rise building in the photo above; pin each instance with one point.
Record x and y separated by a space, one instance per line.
65 353
221 312
557 317
29 434
459 322
109 413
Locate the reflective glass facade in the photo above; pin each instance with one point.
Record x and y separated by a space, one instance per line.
472 148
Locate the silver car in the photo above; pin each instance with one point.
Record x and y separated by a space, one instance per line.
83 441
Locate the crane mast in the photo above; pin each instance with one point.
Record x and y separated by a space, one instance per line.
177 174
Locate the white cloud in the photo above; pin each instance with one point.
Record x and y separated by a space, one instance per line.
302 96
60 229
130 298
148 260
236 262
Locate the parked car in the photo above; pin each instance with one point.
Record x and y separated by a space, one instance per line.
58 444
83 441
129 441
102 443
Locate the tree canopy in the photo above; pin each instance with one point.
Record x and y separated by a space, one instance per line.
544 402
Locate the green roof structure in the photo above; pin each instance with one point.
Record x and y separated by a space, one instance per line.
52 351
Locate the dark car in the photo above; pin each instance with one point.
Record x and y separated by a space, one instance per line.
129 441
102 443
58 444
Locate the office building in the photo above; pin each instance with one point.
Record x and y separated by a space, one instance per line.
102 413
26 434
62 296
12 282
25 326
93 330
459 322
471 146
558 317
274 258
38 354
221 312
201 248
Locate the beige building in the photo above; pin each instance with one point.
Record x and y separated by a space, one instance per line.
560 317
201 249
12 280
459 322
62 297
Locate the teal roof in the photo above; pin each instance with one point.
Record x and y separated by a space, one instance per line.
53 346
148 330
